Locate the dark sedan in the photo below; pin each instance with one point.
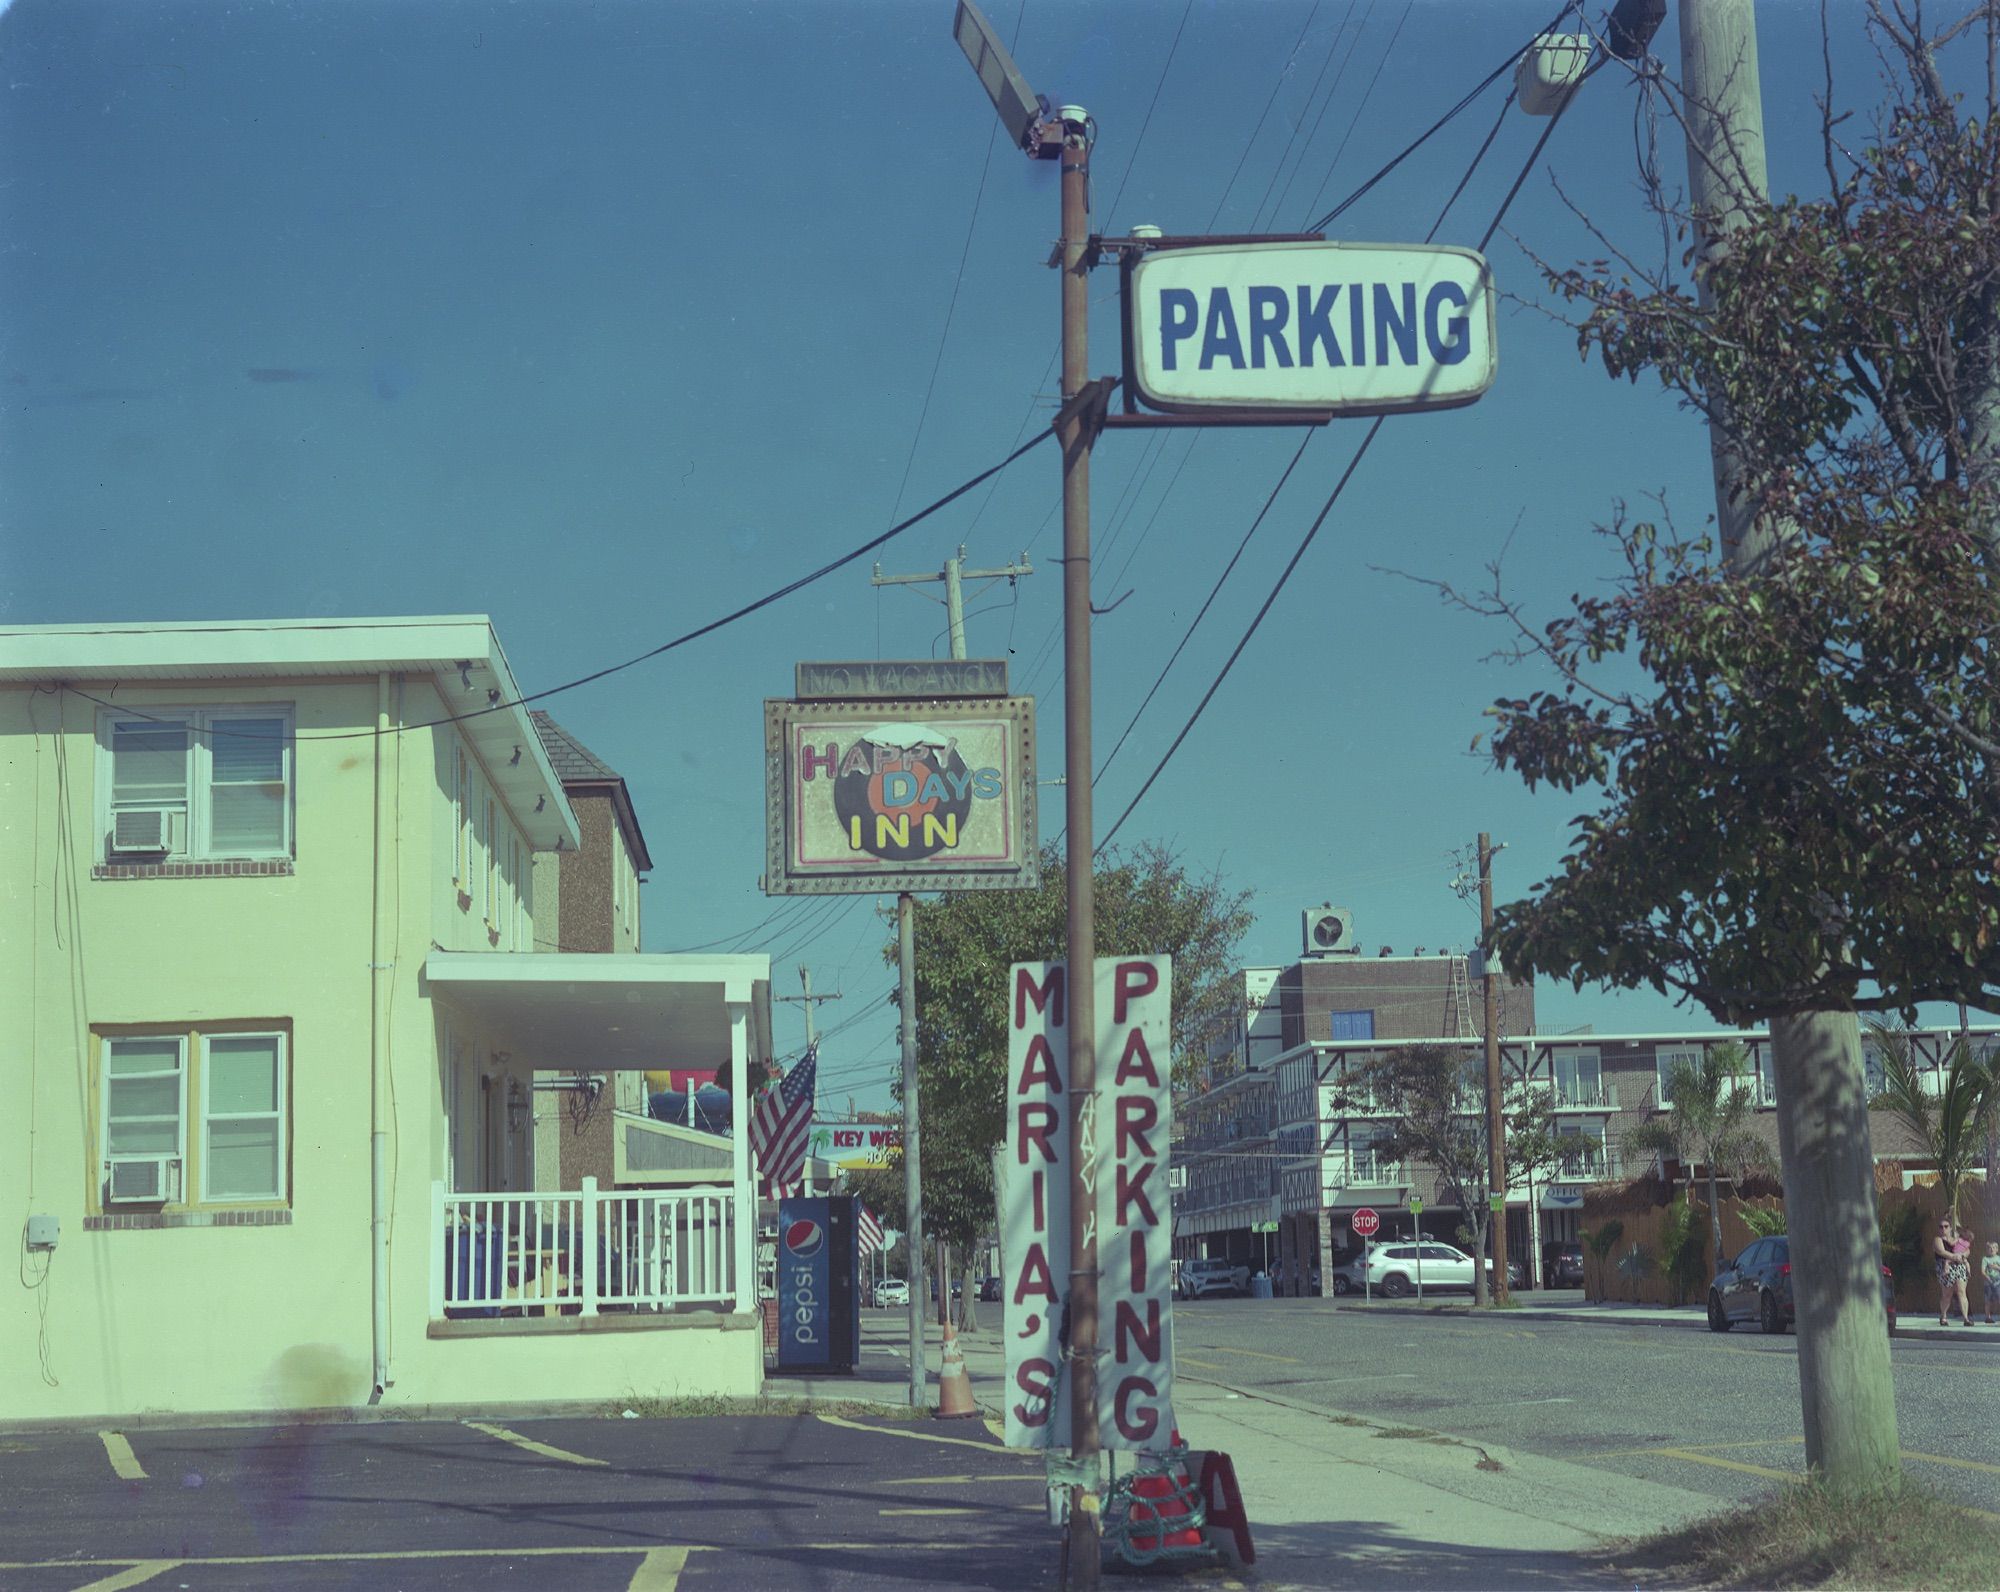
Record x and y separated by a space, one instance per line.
1562 1266
1757 1286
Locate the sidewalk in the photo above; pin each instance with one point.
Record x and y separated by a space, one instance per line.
1337 1501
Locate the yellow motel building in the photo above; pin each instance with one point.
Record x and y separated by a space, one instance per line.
268 957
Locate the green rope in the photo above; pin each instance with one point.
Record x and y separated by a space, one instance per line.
1128 1517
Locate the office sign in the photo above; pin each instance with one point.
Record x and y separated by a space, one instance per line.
1126 1178
1329 328
918 677
899 794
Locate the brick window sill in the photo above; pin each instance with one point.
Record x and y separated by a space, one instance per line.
265 868
134 1221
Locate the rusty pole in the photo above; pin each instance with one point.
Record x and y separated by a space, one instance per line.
1496 1116
1076 430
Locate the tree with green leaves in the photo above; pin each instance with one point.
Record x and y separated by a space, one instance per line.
1437 1095
1711 1102
1795 735
1537 1150
1149 903
1953 1124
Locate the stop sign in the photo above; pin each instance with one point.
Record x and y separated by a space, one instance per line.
1365 1223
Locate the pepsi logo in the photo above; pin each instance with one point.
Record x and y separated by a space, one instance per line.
805 1239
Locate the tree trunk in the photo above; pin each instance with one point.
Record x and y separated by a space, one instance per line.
1845 1391
1715 1215
1479 1258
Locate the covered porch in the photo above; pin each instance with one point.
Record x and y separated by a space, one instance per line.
522 1258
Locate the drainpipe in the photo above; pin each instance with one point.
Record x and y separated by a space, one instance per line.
380 973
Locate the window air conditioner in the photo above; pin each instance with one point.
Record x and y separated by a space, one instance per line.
141 830
142 1179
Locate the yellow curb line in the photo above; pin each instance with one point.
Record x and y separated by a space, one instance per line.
138 1575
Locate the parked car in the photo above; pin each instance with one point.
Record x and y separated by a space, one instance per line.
891 1291
989 1290
1757 1286
1393 1269
1203 1276
1562 1266
1347 1275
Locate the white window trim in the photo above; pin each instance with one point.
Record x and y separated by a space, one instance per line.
209 1117
106 1043
1664 1059
196 840
1576 1055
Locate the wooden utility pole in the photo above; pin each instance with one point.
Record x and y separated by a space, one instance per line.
1076 429
954 575
1846 1395
1496 1116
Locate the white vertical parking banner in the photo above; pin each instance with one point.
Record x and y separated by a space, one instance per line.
1126 1171
1135 1375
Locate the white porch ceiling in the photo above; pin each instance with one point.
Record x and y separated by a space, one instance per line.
603 1013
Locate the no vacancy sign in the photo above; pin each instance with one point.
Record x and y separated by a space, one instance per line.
1125 1176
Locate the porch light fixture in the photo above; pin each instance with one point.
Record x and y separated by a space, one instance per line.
517 1106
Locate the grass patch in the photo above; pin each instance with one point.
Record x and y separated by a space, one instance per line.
705 1406
1810 1535
1415 1434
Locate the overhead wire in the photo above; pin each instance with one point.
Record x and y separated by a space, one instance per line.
1354 120
1112 209
1374 429
1264 115
713 625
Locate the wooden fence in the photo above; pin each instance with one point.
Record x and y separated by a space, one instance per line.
1641 1206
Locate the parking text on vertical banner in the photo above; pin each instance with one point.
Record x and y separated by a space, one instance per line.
1134 1216
1034 1246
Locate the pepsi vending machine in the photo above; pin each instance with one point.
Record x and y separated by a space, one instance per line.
819 1291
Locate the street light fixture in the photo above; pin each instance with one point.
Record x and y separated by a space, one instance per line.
1023 112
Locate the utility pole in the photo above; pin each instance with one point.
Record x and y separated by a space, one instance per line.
808 999
1496 1117
1076 428
954 574
913 1194
1846 1395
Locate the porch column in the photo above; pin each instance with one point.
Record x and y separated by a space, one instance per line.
739 1155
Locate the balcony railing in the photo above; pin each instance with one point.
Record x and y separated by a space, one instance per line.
1361 1169
1584 1095
580 1252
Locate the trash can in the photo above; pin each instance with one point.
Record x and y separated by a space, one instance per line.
1260 1286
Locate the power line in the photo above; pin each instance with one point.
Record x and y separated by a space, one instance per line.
1250 143
595 675
1167 66
1354 120
1345 476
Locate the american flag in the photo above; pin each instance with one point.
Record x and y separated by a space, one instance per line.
781 1124
870 1232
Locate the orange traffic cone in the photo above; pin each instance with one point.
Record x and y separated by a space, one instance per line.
1161 1500
954 1381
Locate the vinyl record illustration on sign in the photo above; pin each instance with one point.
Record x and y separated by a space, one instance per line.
908 796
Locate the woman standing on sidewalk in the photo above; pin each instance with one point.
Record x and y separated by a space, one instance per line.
1952 1253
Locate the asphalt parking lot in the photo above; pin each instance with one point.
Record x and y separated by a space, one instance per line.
650 1505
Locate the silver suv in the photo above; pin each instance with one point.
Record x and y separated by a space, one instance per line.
1202 1277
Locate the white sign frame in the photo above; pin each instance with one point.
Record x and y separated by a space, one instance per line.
1276 328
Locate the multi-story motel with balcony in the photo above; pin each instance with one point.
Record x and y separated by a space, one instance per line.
1282 1130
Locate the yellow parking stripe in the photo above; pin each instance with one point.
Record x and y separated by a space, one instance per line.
927 1511
961 1481
1206 1365
1961 1464
1258 1354
532 1446
123 1460
1726 1464
659 1571
891 1431
138 1575
1629 1453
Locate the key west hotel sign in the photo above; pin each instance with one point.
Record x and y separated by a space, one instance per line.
1307 328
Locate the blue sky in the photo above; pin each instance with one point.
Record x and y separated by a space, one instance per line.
605 319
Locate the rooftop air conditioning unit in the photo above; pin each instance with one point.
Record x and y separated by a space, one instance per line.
1329 931
141 1179
142 831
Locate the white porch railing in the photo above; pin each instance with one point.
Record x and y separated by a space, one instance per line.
581 1252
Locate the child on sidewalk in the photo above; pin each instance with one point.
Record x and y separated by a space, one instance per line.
1989 1270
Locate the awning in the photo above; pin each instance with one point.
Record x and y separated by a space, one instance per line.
574 1010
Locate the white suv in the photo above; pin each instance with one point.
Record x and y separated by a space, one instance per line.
1393 1268
1202 1277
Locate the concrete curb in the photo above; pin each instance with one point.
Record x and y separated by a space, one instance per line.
1904 1329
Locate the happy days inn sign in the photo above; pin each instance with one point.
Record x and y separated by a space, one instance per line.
1309 327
